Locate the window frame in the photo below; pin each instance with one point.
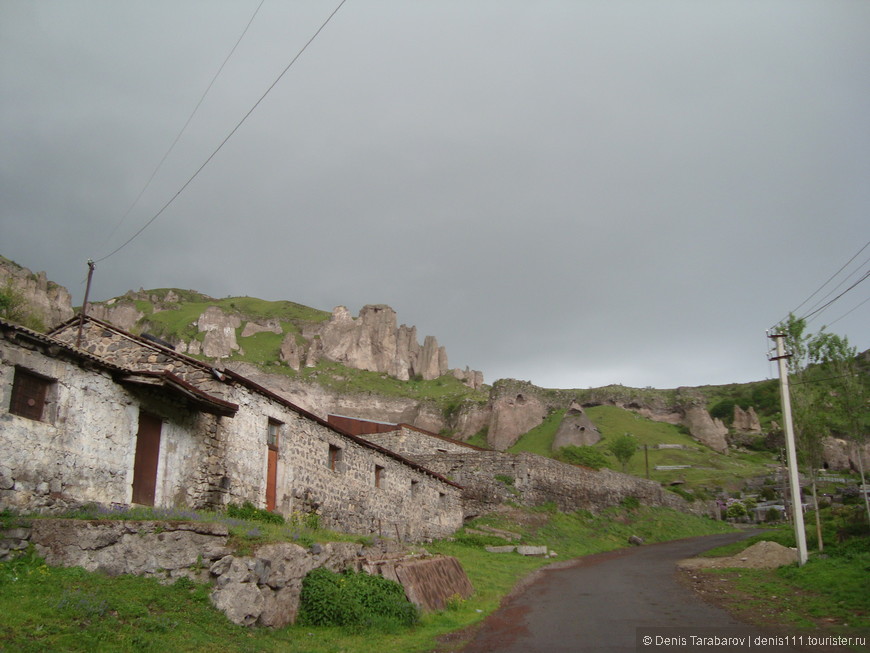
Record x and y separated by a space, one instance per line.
335 458
274 429
23 402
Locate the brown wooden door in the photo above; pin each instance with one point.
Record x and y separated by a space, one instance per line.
147 456
271 479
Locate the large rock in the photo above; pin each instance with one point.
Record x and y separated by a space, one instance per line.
516 409
122 314
49 302
575 429
220 332
706 430
746 421
147 548
242 603
842 455
373 342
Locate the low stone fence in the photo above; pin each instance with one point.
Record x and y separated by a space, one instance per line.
261 589
492 478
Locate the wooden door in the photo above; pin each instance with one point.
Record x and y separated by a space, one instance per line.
271 478
147 457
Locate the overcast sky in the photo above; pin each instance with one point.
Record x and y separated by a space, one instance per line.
572 193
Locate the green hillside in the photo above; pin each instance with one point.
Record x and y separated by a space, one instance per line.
709 473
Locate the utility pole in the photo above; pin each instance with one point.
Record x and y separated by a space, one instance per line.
91 266
800 535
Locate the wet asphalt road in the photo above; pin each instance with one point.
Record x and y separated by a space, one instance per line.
597 603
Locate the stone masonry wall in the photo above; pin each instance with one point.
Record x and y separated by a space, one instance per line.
84 447
408 503
412 443
262 589
536 480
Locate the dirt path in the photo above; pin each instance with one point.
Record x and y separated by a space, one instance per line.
598 603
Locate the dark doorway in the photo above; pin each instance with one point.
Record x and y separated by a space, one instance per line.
147 456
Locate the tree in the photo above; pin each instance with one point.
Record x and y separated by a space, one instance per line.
826 396
13 307
623 448
846 398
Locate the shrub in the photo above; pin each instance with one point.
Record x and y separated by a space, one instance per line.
248 511
354 600
586 456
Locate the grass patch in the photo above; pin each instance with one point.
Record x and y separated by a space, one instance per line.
48 608
540 439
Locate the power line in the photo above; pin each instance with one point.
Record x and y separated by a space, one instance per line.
794 311
849 311
837 287
224 141
184 127
822 308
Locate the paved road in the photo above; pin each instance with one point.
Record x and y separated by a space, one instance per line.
597 603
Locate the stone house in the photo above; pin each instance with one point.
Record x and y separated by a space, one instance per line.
126 419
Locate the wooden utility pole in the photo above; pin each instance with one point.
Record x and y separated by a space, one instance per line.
91 266
800 535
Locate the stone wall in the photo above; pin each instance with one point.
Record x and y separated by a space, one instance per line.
406 502
83 448
533 480
262 589
412 443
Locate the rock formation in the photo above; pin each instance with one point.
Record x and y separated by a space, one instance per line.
706 430
516 409
373 342
50 303
576 429
745 421
220 332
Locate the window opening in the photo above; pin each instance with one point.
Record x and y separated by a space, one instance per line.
379 476
335 458
29 393
274 433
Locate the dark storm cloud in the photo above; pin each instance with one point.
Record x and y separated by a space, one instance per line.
570 193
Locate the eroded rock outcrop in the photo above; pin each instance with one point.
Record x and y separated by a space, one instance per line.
576 429
516 409
705 429
746 421
49 302
374 342
220 332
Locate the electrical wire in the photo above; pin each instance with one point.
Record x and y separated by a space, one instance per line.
183 128
794 311
822 308
849 311
839 285
227 138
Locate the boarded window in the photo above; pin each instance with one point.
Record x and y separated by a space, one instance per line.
379 476
273 433
29 393
335 458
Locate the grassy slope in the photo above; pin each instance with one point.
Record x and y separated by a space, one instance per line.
48 608
710 471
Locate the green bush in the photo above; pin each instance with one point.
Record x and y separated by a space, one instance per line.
586 456
248 511
355 601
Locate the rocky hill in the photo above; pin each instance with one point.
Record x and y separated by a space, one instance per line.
372 368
